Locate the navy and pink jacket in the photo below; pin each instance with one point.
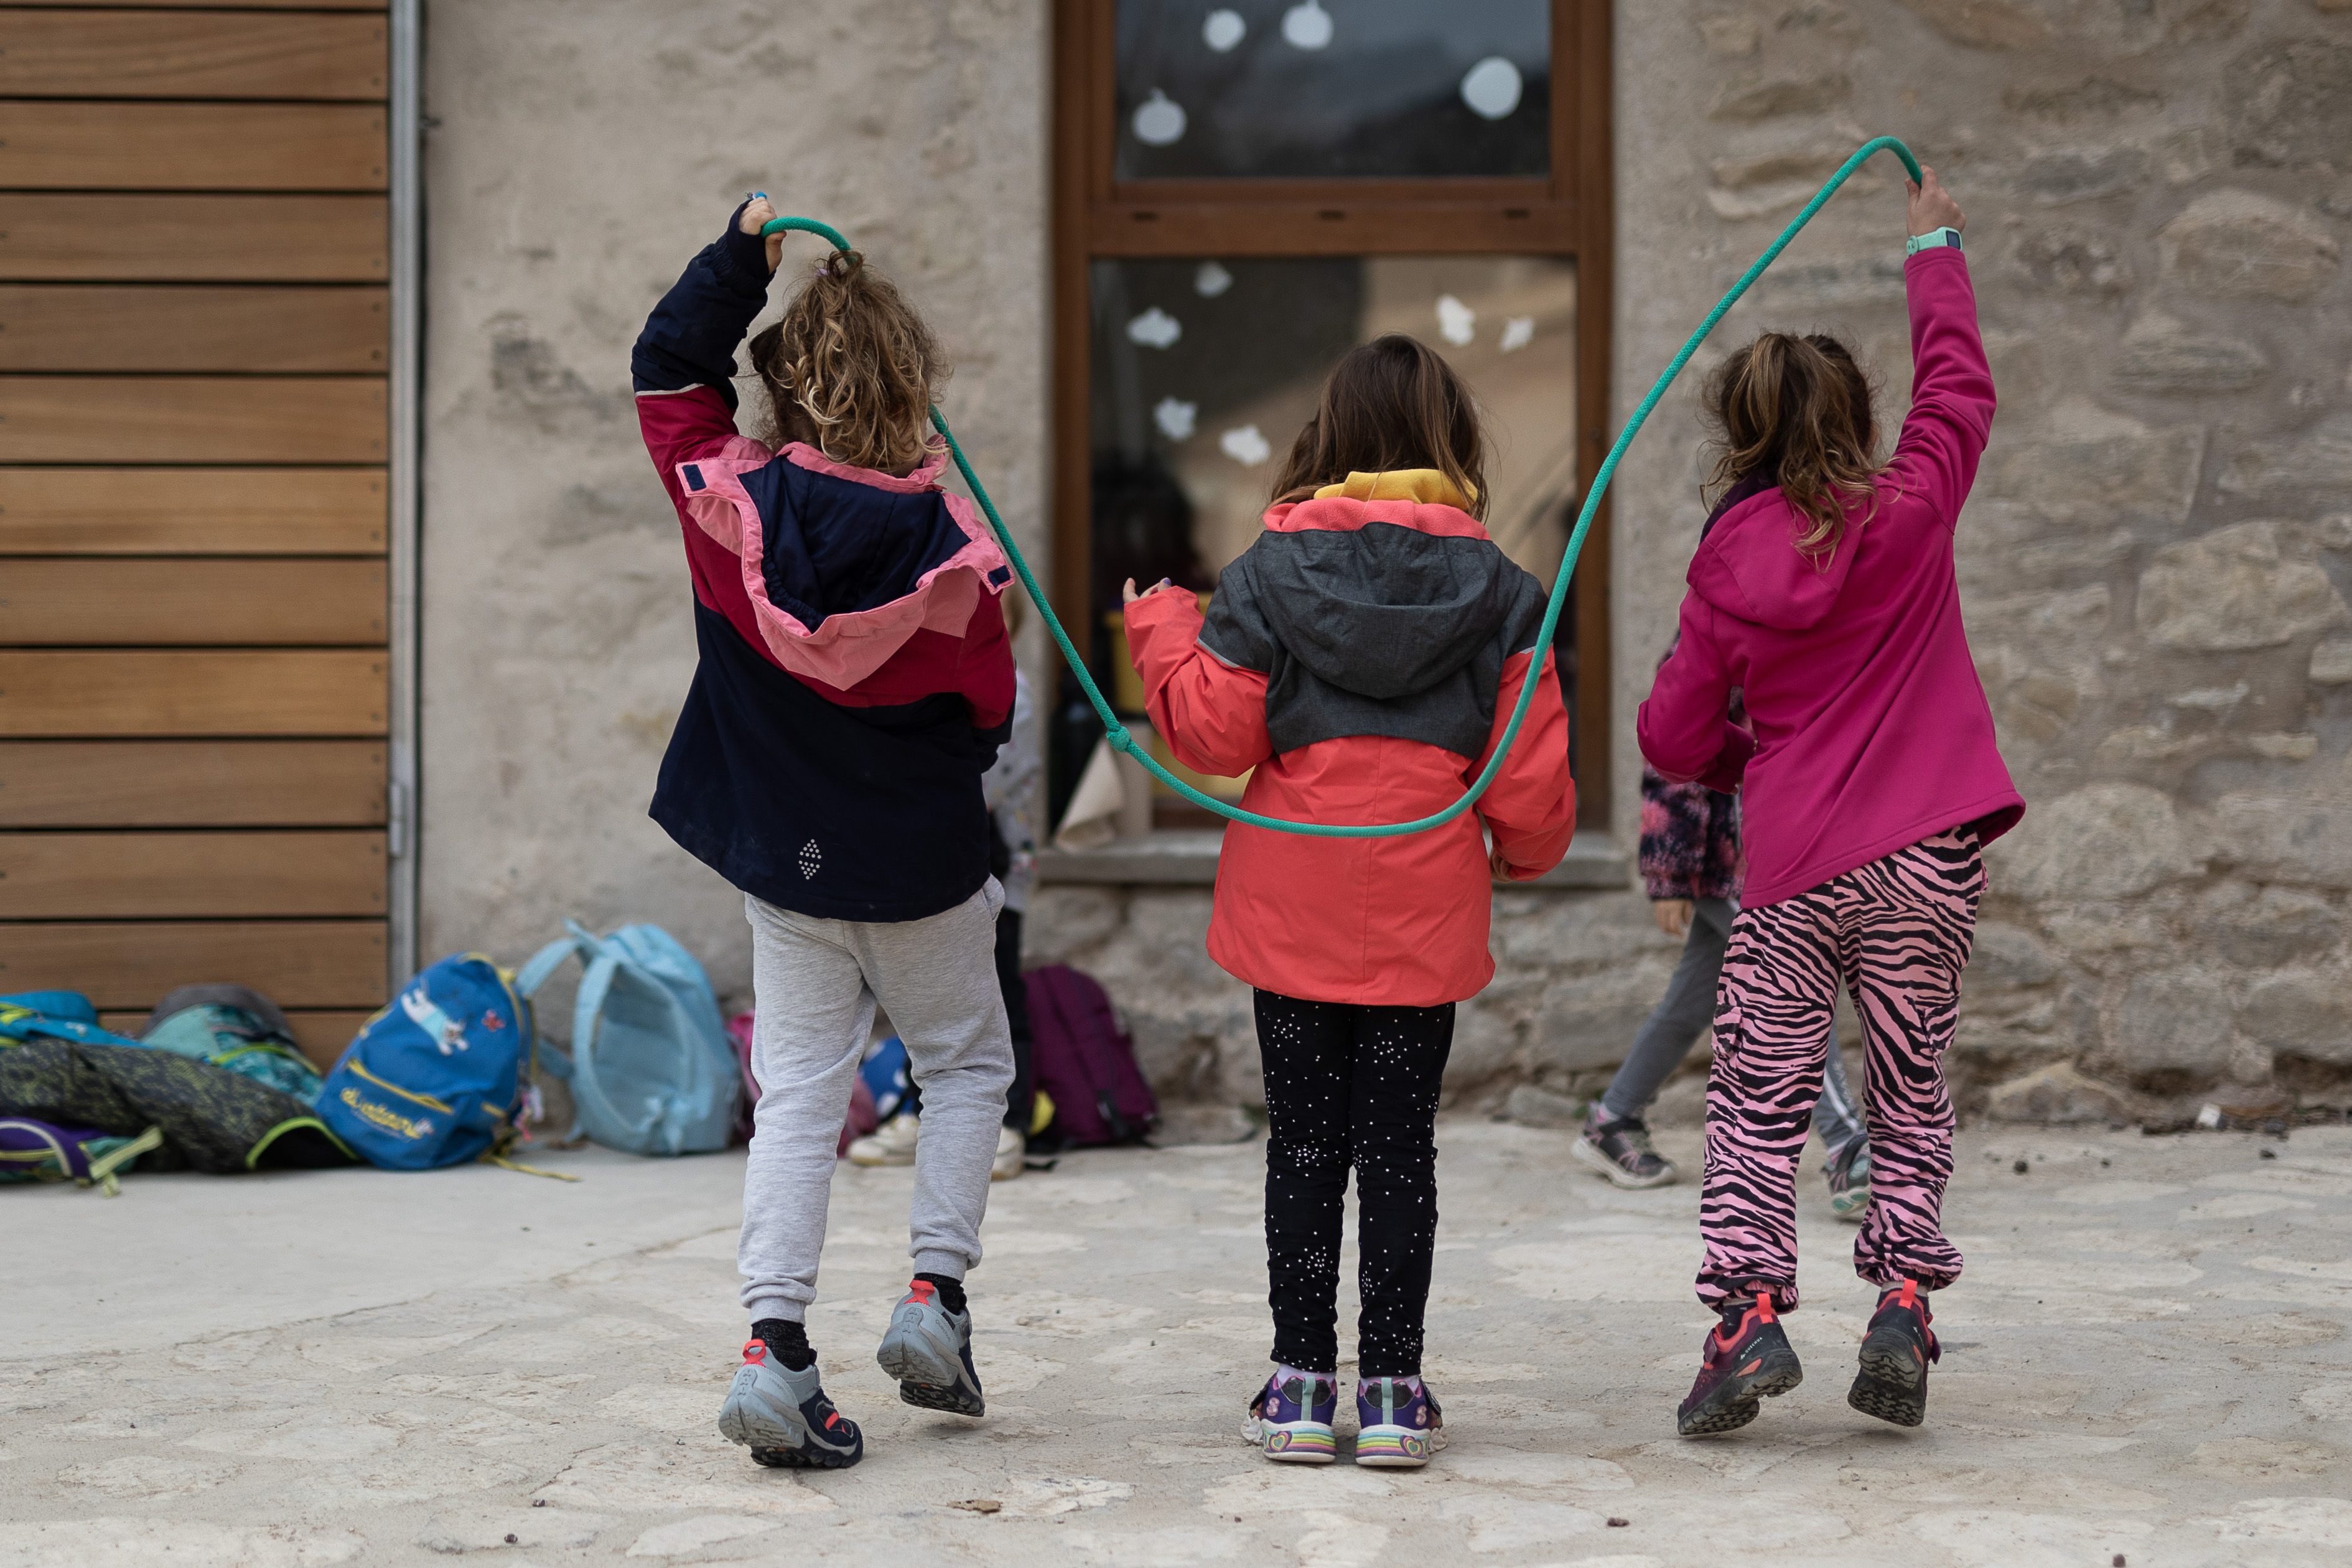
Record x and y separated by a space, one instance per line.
1359 661
1868 729
855 679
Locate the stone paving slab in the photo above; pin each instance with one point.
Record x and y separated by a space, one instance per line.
2146 1358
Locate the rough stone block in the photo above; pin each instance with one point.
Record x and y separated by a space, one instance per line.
1063 921
2303 840
2177 1020
2160 357
1984 24
2056 179
2292 102
2059 1095
1533 1106
2008 957
2303 1012
2233 590
2073 261
2103 841
2242 245
1589 1021
2083 461
2315 464
2331 662
1752 95
2277 926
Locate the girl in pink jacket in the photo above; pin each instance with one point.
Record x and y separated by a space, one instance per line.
1870 783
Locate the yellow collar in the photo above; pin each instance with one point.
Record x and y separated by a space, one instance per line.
1427 486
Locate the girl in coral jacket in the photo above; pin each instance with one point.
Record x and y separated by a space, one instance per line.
854 686
1359 660
1869 783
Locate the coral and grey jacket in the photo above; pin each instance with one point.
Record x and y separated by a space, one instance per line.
855 680
1359 661
1868 729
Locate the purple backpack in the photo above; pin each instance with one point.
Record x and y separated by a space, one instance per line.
1084 1059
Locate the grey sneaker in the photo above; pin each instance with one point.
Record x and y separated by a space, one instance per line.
928 1351
1848 1174
1621 1151
784 1416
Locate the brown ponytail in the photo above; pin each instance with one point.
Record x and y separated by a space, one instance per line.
1799 406
1390 404
853 358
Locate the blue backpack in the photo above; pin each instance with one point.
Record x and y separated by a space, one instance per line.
651 1069
439 1075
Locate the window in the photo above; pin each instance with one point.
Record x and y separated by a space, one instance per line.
1244 192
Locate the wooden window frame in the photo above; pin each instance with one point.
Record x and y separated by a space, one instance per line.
1567 213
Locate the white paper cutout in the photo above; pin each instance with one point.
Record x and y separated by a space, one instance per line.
1306 26
1518 331
1155 329
1223 29
1245 447
1158 121
1457 323
1175 418
1211 279
1492 88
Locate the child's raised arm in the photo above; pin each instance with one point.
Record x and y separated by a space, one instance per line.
1952 386
684 361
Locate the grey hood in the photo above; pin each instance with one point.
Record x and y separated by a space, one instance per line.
1378 629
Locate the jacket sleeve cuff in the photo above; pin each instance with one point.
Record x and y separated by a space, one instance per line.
1730 763
1154 613
740 260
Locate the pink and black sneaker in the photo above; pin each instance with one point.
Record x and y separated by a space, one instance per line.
1291 1419
1746 1359
1895 1355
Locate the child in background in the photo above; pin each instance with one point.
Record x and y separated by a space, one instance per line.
854 686
1364 656
1869 783
1690 867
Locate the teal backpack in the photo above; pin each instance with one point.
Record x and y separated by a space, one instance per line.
651 1069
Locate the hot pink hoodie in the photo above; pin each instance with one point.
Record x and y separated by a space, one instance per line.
1869 729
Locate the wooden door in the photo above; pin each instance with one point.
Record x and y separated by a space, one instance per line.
195 658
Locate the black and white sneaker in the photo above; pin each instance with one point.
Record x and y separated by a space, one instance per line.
928 1351
1621 1151
784 1416
1895 1355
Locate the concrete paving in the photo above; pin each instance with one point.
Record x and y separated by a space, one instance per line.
2145 1364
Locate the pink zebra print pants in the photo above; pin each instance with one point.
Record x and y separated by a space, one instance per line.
1897 933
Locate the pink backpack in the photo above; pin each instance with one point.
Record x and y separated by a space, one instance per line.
1084 1060
862 1119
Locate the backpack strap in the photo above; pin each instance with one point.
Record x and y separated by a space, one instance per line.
586 1013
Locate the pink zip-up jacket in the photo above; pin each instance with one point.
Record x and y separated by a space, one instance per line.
1868 730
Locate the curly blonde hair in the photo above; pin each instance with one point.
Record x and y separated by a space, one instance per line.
853 358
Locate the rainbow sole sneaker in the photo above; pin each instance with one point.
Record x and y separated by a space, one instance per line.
1291 1419
1398 1424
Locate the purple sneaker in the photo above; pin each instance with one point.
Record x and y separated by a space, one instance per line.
1398 1424
1291 1419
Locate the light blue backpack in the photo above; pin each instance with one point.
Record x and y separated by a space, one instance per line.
650 1069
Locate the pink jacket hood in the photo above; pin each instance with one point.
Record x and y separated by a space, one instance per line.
1749 566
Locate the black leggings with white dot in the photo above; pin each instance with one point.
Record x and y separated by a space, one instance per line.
1350 1086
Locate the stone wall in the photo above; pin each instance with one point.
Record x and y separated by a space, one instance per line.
577 152
2155 559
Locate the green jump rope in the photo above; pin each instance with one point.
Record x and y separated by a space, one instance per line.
1122 737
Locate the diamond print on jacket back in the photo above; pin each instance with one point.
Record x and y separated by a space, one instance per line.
810 859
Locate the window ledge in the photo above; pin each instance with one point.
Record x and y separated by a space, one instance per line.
1187 858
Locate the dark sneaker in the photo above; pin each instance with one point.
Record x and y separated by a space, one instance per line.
1895 1353
784 1416
1848 1174
1621 1151
928 1351
1746 1358
1398 1424
1291 1419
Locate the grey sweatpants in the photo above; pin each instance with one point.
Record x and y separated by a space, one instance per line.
1688 1008
814 984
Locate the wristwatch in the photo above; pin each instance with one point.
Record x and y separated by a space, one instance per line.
1919 242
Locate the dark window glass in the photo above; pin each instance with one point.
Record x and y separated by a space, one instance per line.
1204 370
1330 89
